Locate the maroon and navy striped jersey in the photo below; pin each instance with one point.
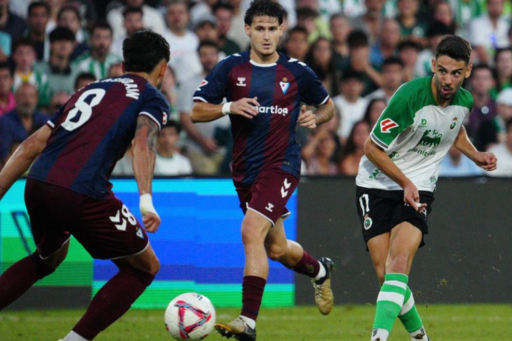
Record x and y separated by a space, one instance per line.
93 130
268 139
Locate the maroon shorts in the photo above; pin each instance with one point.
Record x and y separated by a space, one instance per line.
106 228
268 194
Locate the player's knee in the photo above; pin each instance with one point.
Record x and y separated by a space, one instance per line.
251 232
398 263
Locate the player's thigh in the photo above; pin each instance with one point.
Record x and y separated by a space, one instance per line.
146 261
404 242
270 193
378 248
374 208
52 210
108 230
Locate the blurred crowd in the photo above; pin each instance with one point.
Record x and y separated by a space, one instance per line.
362 51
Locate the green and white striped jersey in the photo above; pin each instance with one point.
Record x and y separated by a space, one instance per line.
86 63
416 133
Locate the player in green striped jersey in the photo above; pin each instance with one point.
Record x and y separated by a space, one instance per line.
398 174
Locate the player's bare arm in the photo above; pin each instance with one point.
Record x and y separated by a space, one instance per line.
23 157
382 161
322 114
485 160
206 112
144 154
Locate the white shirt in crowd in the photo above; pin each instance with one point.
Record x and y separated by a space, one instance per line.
152 18
504 156
174 165
184 59
481 32
350 113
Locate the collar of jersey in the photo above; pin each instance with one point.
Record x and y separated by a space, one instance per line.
261 65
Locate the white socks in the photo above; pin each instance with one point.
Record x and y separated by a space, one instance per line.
380 335
72 336
321 272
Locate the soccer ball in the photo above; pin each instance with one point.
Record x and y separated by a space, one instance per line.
190 316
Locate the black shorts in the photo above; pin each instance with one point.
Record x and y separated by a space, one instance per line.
380 211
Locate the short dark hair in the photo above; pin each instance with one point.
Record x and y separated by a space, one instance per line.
38 4
392 61
207 43
297 29
222 5
437 28
23 41
61 33
102 25
264 8
357 38
172 124
144 50
69 9
454 47
408 44
351 74
306 12
5 65
131 10
84 76
499 51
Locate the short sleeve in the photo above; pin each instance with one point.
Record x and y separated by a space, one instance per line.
397 117
155 107
214 87
312 92
52 122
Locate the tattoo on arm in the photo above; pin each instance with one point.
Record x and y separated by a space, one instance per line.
147 125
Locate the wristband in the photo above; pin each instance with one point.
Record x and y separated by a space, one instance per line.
226 108
146 204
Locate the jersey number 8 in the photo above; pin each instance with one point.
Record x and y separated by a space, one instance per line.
82 111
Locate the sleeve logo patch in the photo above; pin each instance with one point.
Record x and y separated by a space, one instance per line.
164 118
387 125
203 83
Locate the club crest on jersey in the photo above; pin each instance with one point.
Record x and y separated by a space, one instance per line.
164 118
284 85
241 81
203 83
387 125
454 123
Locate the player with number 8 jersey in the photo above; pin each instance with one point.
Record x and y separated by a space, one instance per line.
68 190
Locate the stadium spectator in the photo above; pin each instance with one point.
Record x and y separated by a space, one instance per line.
504 103
319 153
408 52
237 31
371 21
37 19
456 164
98 59
11 23
169 89
20 123
153 19
503 152
465 11
223 13
386 46
435 31
132 22
349 103
60 71
296 44
480 126
206 29
7 98
201 10
203 150
83 79
354 148
69 17
411 26
359 60
320 58
169 161
489 31
340 29
392 78
58 100
442 12
183 42
503 66
24 57
373 111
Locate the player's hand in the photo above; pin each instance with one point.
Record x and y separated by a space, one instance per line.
487 161
245 107
412 197
306 118
151 221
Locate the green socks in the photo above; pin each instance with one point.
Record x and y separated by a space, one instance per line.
409 316
389 304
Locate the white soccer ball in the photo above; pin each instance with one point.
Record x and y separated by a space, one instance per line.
190 316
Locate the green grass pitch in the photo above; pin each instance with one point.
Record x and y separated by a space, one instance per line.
345 323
